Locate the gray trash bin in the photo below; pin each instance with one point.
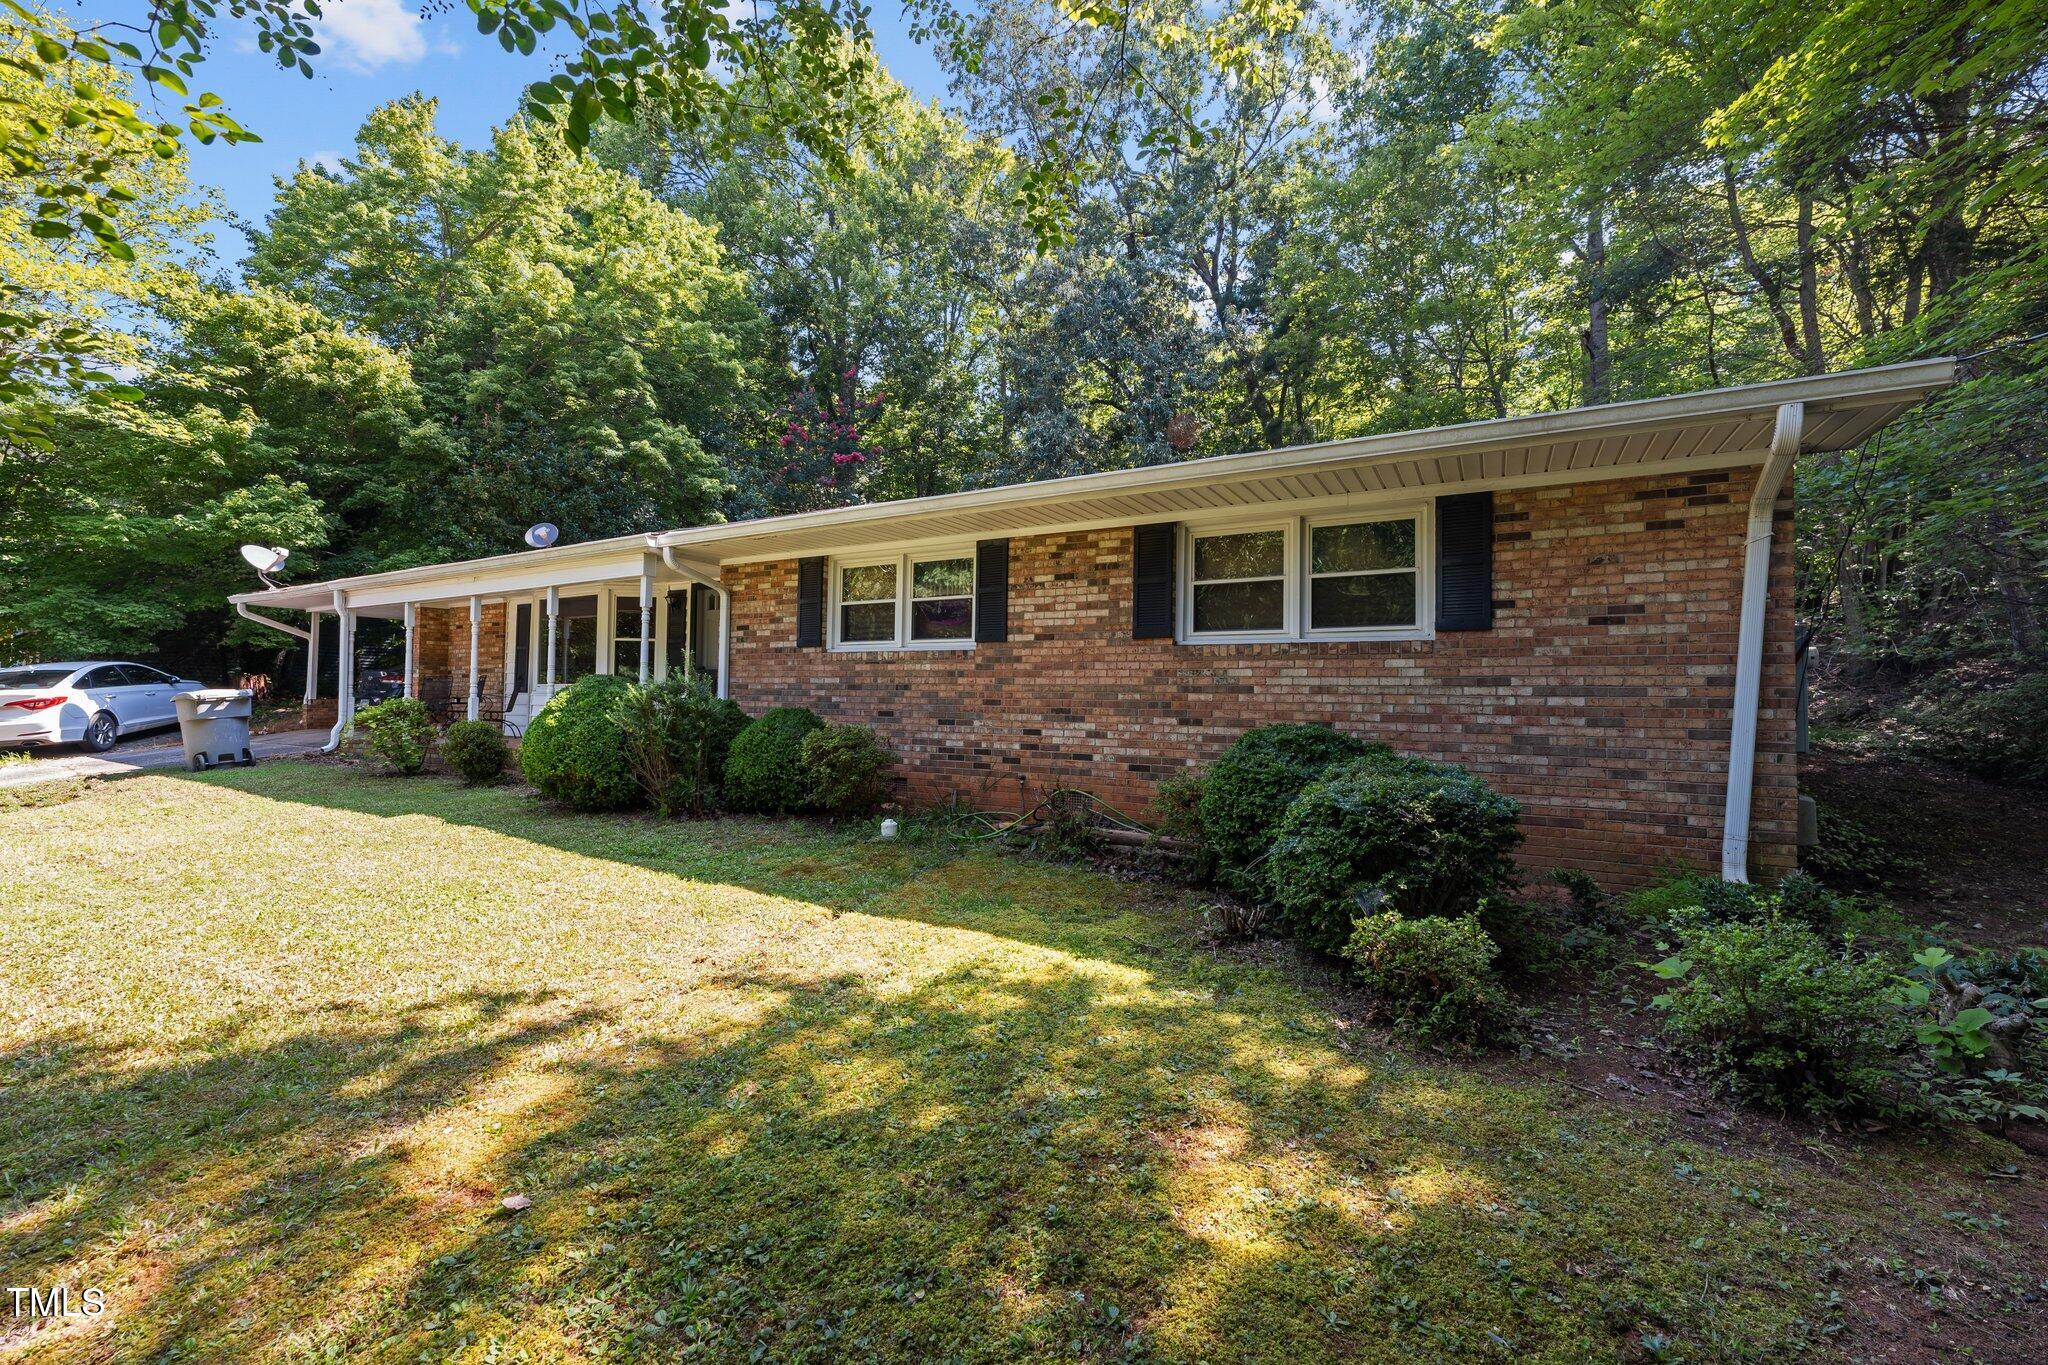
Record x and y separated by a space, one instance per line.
215 724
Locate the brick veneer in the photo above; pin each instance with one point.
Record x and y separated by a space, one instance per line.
441 648
1600 700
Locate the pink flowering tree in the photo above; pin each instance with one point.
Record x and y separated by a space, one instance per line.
825 453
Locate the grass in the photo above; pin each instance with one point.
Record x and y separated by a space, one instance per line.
275 1044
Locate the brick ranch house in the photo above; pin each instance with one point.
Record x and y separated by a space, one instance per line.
1591 609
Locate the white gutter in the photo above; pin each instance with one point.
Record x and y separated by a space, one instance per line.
668 557
1749 646
242 609
345 670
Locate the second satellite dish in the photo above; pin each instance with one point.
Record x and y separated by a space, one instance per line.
542 534
265 558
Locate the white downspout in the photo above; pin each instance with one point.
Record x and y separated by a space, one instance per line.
668 557
312 656
344 672
242 609
1749 646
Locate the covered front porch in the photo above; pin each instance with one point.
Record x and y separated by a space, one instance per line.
485 644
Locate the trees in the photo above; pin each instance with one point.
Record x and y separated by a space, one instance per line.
575 340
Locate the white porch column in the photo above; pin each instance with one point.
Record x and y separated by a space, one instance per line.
312 656
554 610
476 618
410 617
724 641
646 621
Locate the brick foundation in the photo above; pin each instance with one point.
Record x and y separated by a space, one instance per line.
1600 700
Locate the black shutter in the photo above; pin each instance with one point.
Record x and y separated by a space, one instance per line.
810 603
1152 580
1464 562
992 591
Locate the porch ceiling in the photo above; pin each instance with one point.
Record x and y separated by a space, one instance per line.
1718 429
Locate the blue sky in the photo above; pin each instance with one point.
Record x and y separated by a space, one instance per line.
374 51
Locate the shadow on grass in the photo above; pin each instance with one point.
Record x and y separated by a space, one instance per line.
1078 1164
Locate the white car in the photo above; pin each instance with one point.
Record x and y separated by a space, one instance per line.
93 702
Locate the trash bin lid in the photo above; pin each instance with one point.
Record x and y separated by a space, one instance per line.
217 693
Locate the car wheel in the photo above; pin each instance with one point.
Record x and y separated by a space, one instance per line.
101 732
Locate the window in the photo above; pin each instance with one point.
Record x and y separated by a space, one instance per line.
576 639
1361 575
920 601
867 604
1343 576
626 634
942 599
1239 583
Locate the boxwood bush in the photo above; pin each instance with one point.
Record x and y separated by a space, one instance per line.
1400 835
764 772
848 767
575 751
1249 788
475 749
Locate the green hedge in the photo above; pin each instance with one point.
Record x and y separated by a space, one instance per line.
476 749
1399 835
398 731
575 752
1249 788
764 772
848 767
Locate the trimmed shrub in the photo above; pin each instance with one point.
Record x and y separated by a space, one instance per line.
1249 788
475 749
398 731
1797 897
1417 839
848 767
723 721
765 773
1779 1016
1433 975
575 751
675 735
1564 921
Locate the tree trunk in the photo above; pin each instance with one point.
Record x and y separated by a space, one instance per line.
1809 291
1595 340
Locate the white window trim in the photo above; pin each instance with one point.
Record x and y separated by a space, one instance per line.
903 562
1296 613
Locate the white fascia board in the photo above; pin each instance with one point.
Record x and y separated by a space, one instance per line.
1905 380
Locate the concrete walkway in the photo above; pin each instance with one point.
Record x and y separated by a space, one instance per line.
157 750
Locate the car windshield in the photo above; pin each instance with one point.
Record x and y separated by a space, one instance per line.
33 677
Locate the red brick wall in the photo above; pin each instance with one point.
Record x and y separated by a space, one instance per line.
1600 700
441 650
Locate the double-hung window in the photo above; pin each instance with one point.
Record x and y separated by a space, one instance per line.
910 601
1341 576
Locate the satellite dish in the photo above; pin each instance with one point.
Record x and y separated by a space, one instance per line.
542 534
266 560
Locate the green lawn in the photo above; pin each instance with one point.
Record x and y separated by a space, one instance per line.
275 1044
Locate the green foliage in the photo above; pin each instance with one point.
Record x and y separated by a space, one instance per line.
1417 839
1780 1017
1566 920
1797 897
847 768
1177 815
1434 975
476 749
575 751
398 731
1847 857
765 771
1999 733
676 734
1981 1024
1249 788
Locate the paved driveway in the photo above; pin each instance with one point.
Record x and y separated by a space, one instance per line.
161 750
